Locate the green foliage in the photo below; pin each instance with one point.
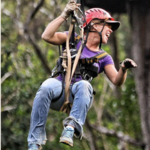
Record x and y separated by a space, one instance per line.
22 73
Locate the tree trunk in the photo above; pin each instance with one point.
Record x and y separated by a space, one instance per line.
115 56
140 23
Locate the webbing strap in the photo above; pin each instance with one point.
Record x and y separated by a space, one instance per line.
96 58
67 106
68 72
77 38
78 54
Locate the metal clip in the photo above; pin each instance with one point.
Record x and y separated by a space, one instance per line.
78 19
88 77
64 57
73 53
53 71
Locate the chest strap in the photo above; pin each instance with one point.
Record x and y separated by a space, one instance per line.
93 59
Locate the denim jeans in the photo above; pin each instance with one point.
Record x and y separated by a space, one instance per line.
81 96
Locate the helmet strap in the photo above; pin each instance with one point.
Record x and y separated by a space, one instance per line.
100 34
85 41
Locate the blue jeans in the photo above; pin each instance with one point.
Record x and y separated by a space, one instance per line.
81 96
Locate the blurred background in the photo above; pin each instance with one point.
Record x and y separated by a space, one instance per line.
120 116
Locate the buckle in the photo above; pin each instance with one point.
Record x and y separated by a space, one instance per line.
87 60
73 53
88 77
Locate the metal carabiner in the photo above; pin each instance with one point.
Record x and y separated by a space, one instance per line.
88 77
78 19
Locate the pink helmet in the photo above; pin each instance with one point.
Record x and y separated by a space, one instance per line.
98 13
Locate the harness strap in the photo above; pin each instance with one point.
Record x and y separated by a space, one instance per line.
100 34
66 107
78 54
68 71
93 59
77 39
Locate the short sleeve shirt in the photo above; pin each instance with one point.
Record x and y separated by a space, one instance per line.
87 53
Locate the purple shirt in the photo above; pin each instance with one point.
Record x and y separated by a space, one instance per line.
87 53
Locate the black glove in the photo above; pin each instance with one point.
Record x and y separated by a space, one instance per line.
128 63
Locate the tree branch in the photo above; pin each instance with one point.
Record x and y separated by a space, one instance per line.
31 39
90 136
38 52
6 75
23 31
119 135
8 108
33 12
